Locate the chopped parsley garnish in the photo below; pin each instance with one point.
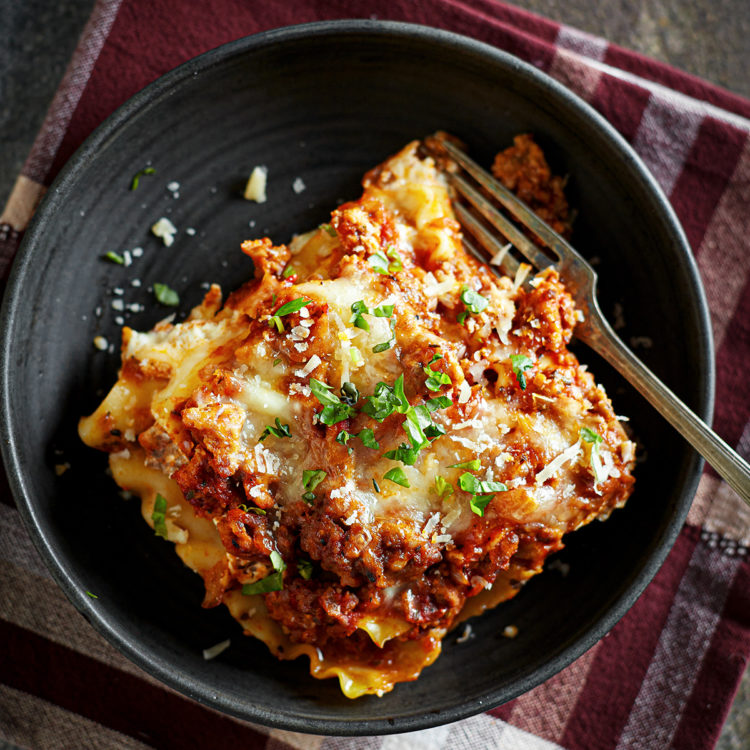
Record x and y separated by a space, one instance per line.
359 309
397 476
443 487
311 478
417 419
288 271
593 437
280 431
386 399
344 437
404 453
287 309
435 378
387 344
439 402
367 436
93 596
479 502
140 173
328 229
349 394
272 582
305 568
159 516
277 362
474 303
166 295
333 410
277 561
114 258
521 363
387 263
396 263
482 491
384 347
474 465
257 511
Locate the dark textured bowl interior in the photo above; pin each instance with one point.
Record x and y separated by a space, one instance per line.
324 102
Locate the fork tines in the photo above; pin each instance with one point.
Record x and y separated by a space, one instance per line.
485 212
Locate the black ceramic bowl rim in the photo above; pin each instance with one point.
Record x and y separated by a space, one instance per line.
25 260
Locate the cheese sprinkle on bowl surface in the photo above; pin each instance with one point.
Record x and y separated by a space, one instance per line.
375 436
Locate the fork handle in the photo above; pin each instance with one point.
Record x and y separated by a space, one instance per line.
727 462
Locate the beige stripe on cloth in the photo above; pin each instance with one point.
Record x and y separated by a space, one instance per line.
692 619
280 739
655 141
574 72
34 723
545 710
71 87
724 259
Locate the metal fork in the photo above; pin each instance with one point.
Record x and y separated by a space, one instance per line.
580 279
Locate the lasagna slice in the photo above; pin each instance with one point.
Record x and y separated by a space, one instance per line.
369 433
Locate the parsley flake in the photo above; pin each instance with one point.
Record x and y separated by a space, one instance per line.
367 436
159 516
344 437
474 465
591 436
482 491
439 402
443 487
114 258
93 596
288 271
280 431
474 303
397 476
328 229
386 399
521 363
311 478
166 296
386 263
436 379
305 568
137 176
334 411
286 309
277 561
272 582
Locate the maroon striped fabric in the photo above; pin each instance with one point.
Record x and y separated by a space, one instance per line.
665 676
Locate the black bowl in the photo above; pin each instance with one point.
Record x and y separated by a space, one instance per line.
324 102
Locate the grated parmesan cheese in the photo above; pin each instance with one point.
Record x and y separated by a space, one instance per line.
499 256
165 230
255 190
312 363
464 392
214 651
556 463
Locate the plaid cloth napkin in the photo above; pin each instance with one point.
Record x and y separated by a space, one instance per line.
666 674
